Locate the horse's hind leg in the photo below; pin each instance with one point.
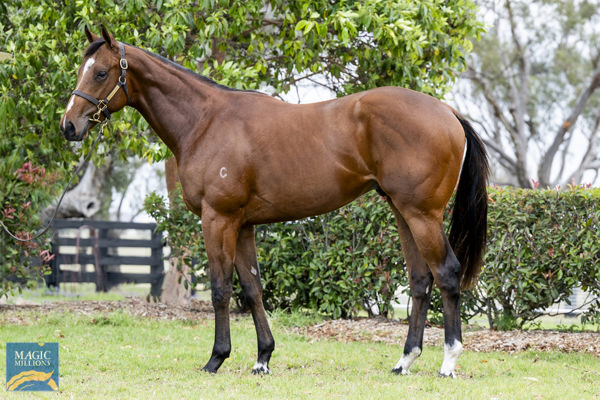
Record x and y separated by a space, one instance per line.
447 278
246 264
435 248
428 235
421 282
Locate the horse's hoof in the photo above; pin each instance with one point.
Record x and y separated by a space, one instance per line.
261 369
209 370
449 375
401 371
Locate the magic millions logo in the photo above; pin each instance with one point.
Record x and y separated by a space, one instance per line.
31 366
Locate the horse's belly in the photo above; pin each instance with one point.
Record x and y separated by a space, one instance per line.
296 200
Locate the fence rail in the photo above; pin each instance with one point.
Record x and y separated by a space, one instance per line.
103 249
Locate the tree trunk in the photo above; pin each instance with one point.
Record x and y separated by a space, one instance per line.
83 201
174 291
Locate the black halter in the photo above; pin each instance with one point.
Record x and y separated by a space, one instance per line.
103 104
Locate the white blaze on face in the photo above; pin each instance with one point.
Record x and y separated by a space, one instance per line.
86 68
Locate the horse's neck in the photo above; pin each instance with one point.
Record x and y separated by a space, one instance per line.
173 102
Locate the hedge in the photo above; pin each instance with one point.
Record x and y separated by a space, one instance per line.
542 245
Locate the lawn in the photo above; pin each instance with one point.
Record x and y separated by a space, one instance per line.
114 355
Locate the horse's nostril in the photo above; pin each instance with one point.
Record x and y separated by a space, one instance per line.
68 130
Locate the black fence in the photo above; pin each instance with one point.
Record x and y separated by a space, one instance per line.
78 244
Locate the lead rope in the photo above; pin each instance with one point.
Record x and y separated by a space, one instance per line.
77 171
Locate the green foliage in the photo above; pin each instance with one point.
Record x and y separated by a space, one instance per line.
34 86
542 245
23 187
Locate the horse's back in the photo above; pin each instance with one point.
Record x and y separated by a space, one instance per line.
389 118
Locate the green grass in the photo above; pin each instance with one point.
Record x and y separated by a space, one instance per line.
114 355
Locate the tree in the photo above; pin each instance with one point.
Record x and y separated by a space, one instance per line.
536 72
269 45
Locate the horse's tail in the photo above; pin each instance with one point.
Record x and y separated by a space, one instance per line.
468 224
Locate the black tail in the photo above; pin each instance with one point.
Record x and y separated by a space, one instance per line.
468 225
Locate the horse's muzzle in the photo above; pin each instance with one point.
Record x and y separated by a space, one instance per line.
70 132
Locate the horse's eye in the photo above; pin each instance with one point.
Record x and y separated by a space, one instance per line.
101 75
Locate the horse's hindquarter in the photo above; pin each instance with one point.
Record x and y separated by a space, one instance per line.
417 144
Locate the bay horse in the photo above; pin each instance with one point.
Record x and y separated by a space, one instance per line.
245 158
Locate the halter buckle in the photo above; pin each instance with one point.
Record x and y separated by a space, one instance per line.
123 63
96 116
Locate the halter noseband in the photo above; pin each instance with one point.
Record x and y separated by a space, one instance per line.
103 104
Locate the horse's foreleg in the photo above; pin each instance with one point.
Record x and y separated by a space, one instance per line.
421 282
246 265
220 236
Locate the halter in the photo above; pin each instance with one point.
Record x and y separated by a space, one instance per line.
103 104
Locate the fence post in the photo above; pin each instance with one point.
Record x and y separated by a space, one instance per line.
53 278
102 281
157 264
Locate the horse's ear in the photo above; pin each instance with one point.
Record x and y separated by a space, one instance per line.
107 38
90 36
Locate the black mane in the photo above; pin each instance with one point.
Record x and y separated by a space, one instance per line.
192 73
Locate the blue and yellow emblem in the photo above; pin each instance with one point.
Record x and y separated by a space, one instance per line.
31 366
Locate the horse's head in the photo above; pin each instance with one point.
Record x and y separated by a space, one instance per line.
98 94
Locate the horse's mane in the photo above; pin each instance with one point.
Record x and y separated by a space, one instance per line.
96 44
190 72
